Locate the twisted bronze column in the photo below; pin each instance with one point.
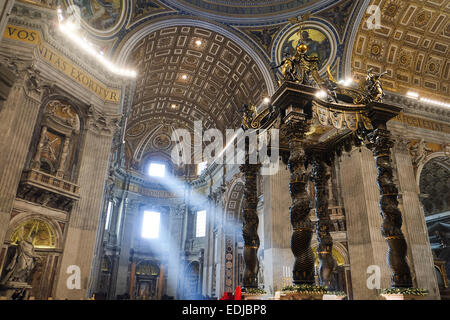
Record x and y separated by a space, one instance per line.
320 178
303 272
250 225
381 143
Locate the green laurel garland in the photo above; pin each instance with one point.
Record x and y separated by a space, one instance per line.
305 288
337 293
406 291
254 291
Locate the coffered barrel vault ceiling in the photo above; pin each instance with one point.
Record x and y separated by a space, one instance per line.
187 74
412 45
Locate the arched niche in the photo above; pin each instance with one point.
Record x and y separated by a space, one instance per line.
191 289
57 139
147 279
339 253
433 178
46 234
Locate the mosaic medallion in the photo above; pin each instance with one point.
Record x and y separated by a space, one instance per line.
100 15
318 39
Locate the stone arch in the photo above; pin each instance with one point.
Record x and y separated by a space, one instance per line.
127 46
191 280
351 40
426 160
338 249
434 184
183 82
234 198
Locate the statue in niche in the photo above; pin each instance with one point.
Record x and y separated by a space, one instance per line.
22 263
50 152
419 151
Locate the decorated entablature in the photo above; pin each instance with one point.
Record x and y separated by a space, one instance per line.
319 118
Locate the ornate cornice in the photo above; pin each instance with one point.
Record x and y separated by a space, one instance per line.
419 108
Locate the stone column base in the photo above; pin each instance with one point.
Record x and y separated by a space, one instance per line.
246 296
333 297
399 296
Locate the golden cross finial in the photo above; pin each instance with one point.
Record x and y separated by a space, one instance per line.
300 21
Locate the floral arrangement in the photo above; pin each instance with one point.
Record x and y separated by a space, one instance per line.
305 288
254 291
406 291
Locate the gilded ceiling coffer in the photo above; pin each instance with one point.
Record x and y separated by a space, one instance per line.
320 178
250 224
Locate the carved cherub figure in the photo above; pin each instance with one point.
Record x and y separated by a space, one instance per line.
419 151
372 86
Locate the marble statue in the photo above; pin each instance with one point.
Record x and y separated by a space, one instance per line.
22 264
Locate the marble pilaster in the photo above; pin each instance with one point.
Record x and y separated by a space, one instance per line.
421 258
5 9
19 114
130 215
366 246
277 229
176 224
85 215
